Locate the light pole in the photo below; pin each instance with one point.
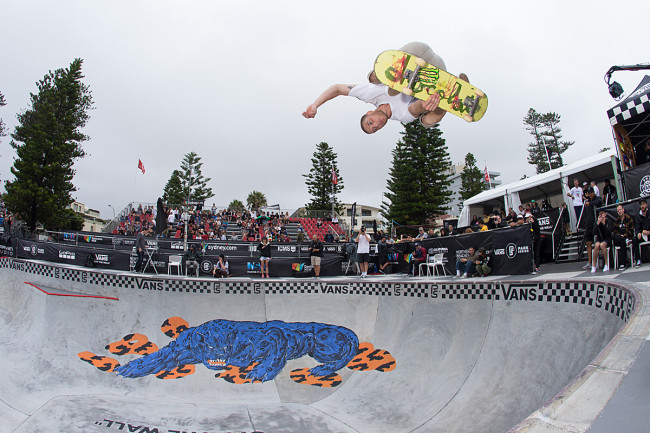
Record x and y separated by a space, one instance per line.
113 211
187 205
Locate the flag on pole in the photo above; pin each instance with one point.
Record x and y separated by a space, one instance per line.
487 175
335 179
141 166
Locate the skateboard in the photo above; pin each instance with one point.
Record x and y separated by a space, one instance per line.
415 77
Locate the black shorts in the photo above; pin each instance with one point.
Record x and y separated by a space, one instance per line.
589 234
363 257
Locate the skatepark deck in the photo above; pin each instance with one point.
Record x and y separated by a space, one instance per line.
488 355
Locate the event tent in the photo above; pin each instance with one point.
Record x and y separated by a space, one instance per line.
555 182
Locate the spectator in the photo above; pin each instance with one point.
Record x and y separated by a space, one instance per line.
316 254
265 256
622 235
421 234
483 263
545 206
591 205
467 265
192 258
576 195
537 240
610 195
565 219
140 248
603 239
382 254
221 269
363 251
642 226
451 231
595 188
419 256
534 209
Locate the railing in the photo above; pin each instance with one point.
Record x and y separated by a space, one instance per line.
559 238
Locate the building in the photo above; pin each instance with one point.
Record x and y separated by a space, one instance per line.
365 215
92 221
455 171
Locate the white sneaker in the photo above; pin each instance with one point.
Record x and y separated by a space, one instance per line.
606 268
463 276
587 266
593 269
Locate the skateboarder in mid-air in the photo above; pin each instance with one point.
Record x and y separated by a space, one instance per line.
389 103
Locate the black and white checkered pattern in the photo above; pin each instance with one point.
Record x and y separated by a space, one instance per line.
609 297
622 113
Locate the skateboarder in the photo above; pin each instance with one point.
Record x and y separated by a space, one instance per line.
389 103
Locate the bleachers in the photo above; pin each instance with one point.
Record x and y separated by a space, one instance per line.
311 228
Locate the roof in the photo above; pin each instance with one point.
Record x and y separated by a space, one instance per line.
636 103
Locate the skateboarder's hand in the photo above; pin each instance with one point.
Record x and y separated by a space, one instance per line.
432 103
310 112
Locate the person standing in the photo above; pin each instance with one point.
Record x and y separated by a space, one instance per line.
265 256
576 195
140 248
537 240
591 205
363 251
316 254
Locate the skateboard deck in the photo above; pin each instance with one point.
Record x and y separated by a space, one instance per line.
415 77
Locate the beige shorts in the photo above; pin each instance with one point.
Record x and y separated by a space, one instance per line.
315 260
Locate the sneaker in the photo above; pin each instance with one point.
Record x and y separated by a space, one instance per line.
381 272
587 266
606 268
621 268
593 269
638 263
463 276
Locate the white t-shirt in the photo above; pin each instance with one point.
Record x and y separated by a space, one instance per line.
364 245
377 94
576 195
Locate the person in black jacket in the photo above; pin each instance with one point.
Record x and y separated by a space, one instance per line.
192 258
265 255
603 239
140 248
382 253
591 205
316 254
641 228
537 240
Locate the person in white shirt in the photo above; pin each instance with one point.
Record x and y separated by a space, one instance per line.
363 251
596 190
576 195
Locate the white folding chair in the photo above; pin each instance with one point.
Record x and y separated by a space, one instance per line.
432 263
616 248
175 261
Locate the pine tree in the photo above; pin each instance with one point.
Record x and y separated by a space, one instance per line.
472 179
319 181
3 127
418 185
546 146
173 191
194 184
47 142
236 206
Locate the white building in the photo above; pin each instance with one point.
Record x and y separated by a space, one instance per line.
455 171
92 221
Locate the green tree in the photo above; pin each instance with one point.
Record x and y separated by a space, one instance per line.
237 206
319 179
3 127
194 184
546 146
472 179
173 191
47 141
256 200
417 184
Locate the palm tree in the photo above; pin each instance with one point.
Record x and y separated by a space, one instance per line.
256 200
236 205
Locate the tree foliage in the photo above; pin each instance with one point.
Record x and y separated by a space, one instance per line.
173 191
3 126
47 141
547 146
194 184
236 206
472 179
256 200
319 179
417 184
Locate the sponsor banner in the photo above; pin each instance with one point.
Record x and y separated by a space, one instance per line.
637 181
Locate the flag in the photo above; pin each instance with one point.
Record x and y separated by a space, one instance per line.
335 179
487 175
141 166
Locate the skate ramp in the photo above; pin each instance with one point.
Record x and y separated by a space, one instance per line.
468 357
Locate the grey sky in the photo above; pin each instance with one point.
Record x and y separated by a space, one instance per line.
229 80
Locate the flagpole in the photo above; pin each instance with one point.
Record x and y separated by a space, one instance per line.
550 167
488 175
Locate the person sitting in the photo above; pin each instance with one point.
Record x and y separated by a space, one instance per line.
192 258
467 265
221 268
483 263
603 239
622 235
418 256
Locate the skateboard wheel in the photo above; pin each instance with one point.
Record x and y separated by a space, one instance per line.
468 118
420 62
407 91
480 93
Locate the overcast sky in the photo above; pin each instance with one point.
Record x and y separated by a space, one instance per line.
229 81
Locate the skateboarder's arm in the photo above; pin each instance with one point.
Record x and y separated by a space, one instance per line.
330 93
428 111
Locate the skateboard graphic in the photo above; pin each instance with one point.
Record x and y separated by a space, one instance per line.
415 77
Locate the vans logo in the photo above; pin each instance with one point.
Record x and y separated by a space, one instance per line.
149 284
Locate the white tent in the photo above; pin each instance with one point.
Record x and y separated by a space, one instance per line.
554 182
